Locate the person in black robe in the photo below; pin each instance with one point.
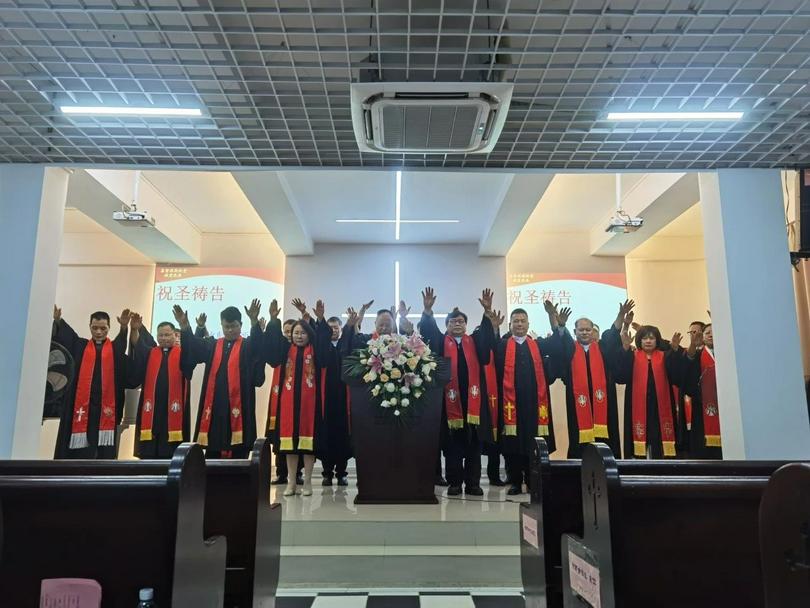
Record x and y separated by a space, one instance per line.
141 346
622 358
277 350
588 341
517 448
338 452
491 447
63 334
684 422
693 373
218 441
461 438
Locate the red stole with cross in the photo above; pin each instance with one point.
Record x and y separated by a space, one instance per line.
491 375
639 403
177 394
708 394
308 401
510 394
234 393
452 392
81 404
591 407
272 406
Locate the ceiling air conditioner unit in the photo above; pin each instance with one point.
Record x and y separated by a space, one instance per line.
429 118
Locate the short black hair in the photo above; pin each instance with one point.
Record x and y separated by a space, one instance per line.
167 324
518 311
706 326
100 315
307 328
385 311
453 314
288 322
230 314
700 323
331 319
649 330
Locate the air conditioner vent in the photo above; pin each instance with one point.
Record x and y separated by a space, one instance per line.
442 118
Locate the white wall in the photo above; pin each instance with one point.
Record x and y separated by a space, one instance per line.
348 275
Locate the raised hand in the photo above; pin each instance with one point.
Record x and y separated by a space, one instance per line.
550 307
181 316
709 312
497 318
486 300
254 311
563 315
406 325
300 306
625 310
627 340
202 319
365 307
135 321
262 323
123 320
676 340
352 317
57 313
319 310
403 310
428 300
635 326
274 310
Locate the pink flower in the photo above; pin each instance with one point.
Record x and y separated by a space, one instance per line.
408 379
393 350
375 363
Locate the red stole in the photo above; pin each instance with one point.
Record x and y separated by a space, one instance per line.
81 404
272 406
452 395
510 395
591 408
639 404
491 375
234 393
309 398
177 394
708 394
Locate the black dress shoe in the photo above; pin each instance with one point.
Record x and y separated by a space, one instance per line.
327 481
514 490
497 482
279 481
441 481
454 490
474 491
343 481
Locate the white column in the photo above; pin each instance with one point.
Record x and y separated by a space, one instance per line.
760 385
32 207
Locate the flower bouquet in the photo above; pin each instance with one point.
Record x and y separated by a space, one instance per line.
396 369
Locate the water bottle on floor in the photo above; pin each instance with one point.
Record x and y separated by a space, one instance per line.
147 598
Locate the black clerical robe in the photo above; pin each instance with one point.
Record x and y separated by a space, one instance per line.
483 337
336 404
567 349
277 348
526 394
691 384
197 350
159 446
67 337
621 365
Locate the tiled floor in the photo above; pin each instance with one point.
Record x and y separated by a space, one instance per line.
425 599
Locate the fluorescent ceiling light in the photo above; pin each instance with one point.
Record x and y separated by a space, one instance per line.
674 115
400 221
130 111
397 214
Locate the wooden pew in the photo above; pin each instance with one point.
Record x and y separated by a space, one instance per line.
663 541
556 508
237 506
784 537
125 532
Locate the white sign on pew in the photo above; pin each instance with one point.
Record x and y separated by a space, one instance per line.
584 579
530 534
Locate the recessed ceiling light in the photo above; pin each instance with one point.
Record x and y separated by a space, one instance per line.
130 111
674 115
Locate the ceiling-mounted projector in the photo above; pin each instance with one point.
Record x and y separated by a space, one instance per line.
134 218
621 222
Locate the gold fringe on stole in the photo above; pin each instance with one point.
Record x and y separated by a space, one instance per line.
175 436
202 439
495 434
455 424
285 444
146 435
600 430
713 441
510 430
305 443
586 436
236 437
542 430
639 448
272 423
473 419
669 448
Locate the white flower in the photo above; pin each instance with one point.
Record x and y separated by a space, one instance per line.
376 390
432 365
405 390
392 401
426 369
401 360
417 394
396 412
405 402
371 376
363 360
385 404
387 364
390 387
417 381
